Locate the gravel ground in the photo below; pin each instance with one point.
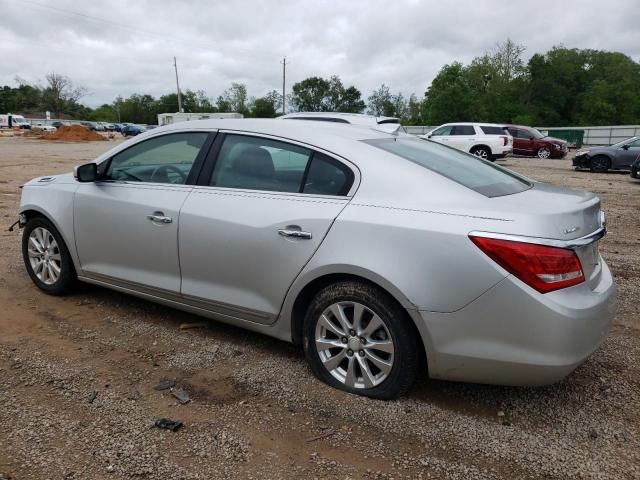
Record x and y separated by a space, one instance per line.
77 378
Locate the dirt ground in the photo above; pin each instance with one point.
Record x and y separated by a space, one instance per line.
77 378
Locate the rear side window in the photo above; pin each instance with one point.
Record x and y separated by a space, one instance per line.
327 176
256 163
491 130
479 175
463 130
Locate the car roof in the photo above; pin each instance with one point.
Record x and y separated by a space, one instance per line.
484 124
516 126
341 117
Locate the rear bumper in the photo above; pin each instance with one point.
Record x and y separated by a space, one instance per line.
513 335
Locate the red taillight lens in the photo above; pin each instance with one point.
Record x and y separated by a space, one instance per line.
542 267
505 140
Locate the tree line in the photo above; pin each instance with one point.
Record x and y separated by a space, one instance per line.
560 87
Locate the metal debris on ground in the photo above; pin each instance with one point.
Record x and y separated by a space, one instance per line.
187 326
326 434
181 395
168 424
165 385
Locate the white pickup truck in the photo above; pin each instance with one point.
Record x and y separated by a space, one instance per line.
485 140
13 121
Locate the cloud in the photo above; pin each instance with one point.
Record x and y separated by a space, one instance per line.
122 47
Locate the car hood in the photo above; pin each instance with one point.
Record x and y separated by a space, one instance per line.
51 179
595 150
559 141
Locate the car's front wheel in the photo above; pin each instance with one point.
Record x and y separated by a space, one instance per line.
47 258
600 164
358 339
544 153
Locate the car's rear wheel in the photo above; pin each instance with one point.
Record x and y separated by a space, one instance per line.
544 153
600 164
482 152
358 339
47 258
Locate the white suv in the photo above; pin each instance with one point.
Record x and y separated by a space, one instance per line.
485 140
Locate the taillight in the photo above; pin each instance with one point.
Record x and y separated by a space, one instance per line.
505 140
542 267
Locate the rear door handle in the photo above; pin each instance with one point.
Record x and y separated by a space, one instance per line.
159 217
295 234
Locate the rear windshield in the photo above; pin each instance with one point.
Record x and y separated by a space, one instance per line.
491 130
479 175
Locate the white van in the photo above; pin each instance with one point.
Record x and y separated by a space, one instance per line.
12 121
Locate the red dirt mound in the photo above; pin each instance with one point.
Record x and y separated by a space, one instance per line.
73 133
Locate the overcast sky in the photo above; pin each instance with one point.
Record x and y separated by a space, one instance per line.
120 47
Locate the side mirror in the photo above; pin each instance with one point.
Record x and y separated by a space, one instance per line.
86 173
625 147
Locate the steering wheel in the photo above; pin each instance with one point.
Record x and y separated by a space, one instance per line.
165 169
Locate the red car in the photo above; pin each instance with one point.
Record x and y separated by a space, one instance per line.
531 142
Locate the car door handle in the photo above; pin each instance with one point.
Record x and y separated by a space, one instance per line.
295 234
159 217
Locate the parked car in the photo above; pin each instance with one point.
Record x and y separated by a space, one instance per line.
635 169
339 117
619 156
131 130
531 142
58 124
43 128
485 140
383 255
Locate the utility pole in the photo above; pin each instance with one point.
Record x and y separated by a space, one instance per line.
284 72
175 66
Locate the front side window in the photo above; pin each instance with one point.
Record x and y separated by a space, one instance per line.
479 175
255 163
165 159
635 144
463 130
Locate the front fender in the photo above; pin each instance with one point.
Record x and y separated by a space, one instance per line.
54 202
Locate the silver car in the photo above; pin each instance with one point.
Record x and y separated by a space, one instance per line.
383 255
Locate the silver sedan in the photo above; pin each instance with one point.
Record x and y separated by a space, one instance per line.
382 255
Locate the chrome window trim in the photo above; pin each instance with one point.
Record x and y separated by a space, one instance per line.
571 244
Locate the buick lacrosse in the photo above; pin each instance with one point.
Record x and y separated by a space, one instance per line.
383 255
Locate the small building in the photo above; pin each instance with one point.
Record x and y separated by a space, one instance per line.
169 118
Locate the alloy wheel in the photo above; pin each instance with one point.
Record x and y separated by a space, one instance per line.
354 345
544 153
44 256
481 152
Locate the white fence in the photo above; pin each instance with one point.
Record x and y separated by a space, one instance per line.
605 135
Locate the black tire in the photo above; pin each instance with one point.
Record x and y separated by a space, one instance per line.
407 358
600 164
67 278
482 152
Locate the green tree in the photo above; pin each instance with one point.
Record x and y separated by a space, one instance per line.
316 94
